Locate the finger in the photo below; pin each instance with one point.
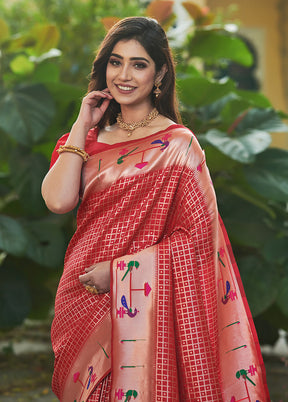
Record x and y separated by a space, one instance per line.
103 107
106 90
105 93
94 97
89 269
84 278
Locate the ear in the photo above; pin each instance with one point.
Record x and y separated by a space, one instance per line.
160 75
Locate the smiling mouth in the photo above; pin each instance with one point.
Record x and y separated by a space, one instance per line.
125 88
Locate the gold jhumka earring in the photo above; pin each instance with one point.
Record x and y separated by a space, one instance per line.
157 90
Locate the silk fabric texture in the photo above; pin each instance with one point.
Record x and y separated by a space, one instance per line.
175 325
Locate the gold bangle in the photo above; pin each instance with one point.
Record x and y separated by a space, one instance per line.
74 150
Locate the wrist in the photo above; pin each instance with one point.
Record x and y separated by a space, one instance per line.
77 136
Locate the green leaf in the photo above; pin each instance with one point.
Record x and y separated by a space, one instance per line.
268 174
257 278
242 148
213 46
245 221
232 110
276 250
27 173
21 65
198 91
282 298
261 120
26 112
46 244
41 302
47 37
46 72
13 237
254 98
38 40
15 302
186 71
4 31
217 161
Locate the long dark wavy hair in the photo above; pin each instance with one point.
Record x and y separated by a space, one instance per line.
152 37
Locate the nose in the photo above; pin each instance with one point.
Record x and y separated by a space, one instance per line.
125 72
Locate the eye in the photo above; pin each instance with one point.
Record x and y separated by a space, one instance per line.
114 62
140 66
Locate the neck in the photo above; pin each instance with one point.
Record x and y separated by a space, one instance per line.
134 114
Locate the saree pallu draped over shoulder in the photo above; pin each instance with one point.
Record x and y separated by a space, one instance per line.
176 324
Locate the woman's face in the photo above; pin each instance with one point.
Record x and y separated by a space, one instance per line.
130 74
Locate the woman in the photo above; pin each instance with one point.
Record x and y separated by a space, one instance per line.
150 305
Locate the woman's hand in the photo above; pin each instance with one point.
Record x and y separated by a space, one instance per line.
92 108
97 276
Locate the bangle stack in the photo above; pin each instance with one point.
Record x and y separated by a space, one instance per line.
74 150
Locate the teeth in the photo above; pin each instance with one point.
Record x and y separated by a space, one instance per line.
125 88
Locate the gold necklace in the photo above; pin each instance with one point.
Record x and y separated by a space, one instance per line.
130 127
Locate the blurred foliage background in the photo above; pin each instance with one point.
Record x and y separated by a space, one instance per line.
46 52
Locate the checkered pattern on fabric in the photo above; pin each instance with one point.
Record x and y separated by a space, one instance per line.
173 206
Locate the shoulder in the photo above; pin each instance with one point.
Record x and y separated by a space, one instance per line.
186 144
183 134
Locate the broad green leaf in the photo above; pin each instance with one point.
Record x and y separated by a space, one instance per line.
46 72
28 171
242 148
232 110
4 31
15 301
52 53
26 112
276 250
261 120
212 111
245 221
38 41
21 65
213 46
13 237
261 283
47 37
198 91
184 71
254 98
19 43
46 244
41 301
67 101
268 175
282 298
217 161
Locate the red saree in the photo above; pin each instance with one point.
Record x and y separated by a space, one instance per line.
176 325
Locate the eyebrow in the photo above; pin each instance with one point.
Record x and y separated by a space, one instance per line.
131 58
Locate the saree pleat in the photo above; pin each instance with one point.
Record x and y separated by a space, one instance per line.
176 324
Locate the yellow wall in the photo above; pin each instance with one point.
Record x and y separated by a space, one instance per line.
260 21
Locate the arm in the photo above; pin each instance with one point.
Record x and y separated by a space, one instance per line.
60 187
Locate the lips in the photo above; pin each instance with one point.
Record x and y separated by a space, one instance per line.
124 88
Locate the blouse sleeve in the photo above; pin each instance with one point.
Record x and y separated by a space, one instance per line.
55 154
92 146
